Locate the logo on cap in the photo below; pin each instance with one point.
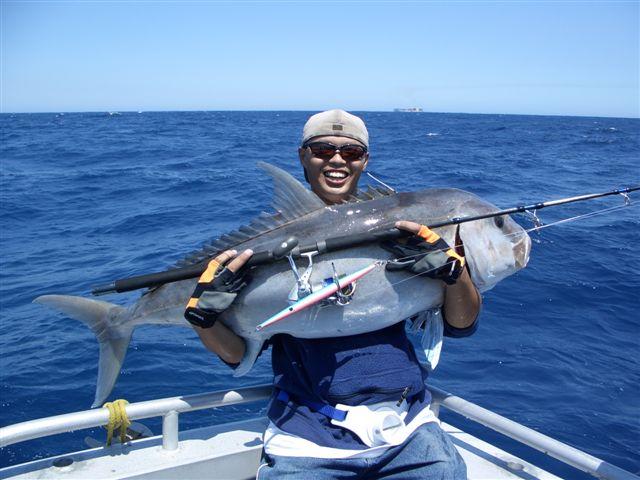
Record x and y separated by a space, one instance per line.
336 127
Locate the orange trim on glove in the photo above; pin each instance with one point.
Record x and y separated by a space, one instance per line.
432 237
206 277
427 234
210 272
193 302
453 254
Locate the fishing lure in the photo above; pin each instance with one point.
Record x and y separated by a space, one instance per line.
314 298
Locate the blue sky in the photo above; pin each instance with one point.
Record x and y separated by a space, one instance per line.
560 58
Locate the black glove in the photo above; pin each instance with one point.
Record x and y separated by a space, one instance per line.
426 253
214 294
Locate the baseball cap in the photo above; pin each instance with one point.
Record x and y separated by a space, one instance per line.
336 123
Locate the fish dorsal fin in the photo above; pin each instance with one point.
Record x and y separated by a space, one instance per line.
290 198
371 193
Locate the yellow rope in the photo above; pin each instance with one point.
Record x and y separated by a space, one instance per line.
117 419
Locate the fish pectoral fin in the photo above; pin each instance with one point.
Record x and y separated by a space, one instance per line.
251 353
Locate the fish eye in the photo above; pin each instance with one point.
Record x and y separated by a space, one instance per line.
499 221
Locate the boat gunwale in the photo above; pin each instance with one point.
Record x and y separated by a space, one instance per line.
170 408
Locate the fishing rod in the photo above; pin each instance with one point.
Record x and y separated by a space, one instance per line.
290 246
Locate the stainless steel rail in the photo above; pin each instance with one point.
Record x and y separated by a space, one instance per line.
170 408
547 445
165 407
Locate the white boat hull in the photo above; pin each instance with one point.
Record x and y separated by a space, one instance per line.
232 451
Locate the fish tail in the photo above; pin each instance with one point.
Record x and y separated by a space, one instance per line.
113 336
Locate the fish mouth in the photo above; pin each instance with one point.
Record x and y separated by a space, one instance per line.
335 177
521 251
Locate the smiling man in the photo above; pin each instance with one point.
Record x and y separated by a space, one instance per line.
354 406
334 153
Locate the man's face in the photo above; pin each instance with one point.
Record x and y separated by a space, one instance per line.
333 179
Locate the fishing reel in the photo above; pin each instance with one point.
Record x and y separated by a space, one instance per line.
303 286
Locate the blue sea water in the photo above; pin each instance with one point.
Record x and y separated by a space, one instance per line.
89 197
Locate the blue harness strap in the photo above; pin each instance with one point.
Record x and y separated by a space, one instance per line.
323 408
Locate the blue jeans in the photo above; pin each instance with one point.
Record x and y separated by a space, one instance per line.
428 454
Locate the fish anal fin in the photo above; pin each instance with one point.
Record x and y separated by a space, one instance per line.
251 353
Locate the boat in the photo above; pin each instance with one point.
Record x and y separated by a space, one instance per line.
411 109
232 450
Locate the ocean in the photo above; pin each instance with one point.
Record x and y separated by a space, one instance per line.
90 197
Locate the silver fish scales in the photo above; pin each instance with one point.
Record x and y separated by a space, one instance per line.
494 248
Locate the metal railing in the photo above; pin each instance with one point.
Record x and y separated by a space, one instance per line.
170 408
547 445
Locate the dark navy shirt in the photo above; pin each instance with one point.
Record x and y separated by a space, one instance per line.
354 370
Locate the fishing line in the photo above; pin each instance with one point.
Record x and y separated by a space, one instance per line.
577 217
380 181
536 228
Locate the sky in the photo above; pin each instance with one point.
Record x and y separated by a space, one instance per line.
514 57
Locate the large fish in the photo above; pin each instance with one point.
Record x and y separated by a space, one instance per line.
495 248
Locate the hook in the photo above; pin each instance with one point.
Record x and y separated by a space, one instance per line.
627 200
533 216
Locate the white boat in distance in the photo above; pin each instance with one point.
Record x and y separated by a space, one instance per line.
411 109
232 450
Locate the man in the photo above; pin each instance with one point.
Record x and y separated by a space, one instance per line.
356 406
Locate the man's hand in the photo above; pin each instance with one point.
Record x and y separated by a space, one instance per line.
217 288
462 301
425 253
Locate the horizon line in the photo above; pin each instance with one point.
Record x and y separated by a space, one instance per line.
59 112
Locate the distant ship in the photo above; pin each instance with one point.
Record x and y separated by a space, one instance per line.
412 109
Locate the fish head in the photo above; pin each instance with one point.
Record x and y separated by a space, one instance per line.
495 247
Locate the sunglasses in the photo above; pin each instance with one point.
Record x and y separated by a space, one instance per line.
326 151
